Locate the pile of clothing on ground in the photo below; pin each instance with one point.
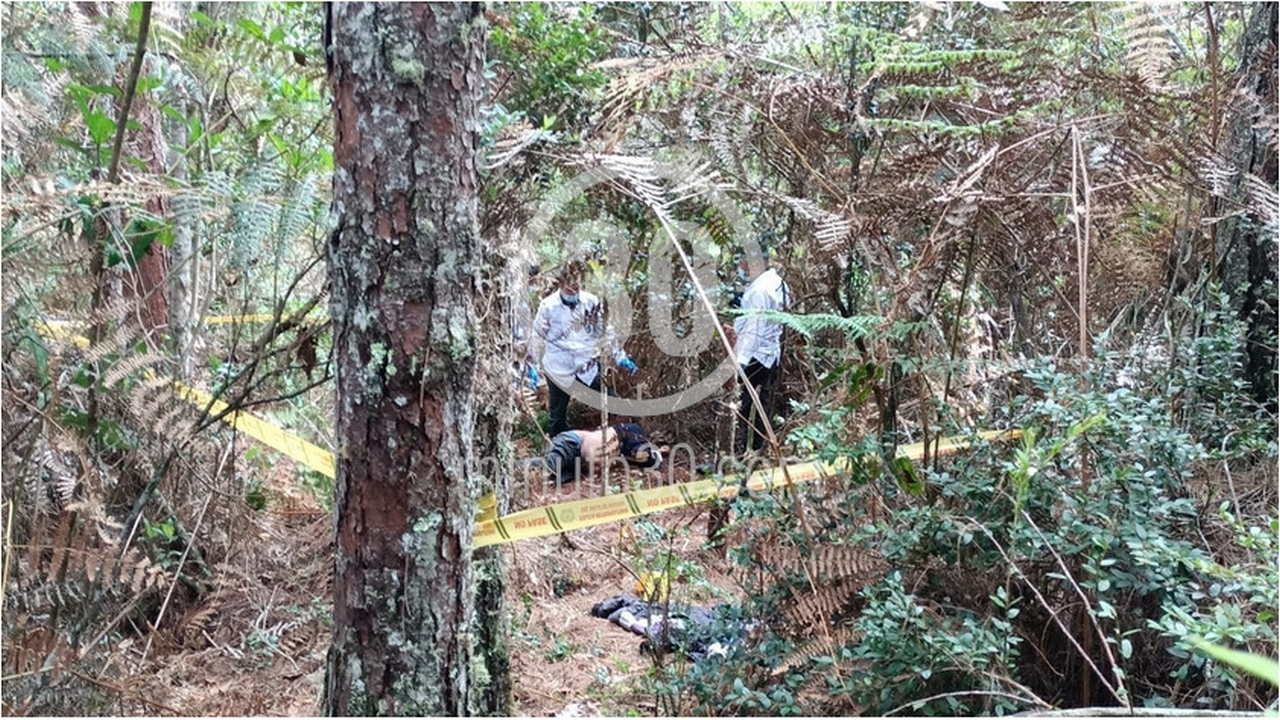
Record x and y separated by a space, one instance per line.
699 633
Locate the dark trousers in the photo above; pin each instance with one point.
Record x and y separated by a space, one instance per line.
558 400
762 379
562 457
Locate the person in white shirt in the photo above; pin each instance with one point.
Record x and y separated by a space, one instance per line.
568 332
758 345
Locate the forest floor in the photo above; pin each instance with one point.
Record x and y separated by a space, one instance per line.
257 644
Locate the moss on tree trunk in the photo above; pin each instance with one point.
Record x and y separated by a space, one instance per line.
403 265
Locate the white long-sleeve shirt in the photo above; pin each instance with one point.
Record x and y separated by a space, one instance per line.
566 340
760 339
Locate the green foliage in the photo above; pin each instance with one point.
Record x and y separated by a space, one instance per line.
808 325
1092 503
913 652
1263 668
320 485
140 235
1208 379
868 141
254 496
166 544
548 58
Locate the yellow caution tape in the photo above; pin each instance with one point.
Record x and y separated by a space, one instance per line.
229 319
547 519
292 446
288 444
579 514
59 329
488 509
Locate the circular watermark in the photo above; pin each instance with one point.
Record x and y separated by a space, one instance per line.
681 250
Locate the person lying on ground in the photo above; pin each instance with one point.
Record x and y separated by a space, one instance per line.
579 452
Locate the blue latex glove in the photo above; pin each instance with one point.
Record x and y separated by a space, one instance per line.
533 377
629 365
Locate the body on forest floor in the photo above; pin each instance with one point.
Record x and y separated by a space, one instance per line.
574 454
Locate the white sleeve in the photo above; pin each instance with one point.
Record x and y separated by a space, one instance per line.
538 340
609 336
611 341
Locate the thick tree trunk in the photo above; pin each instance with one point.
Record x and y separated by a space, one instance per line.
403 265
1248 253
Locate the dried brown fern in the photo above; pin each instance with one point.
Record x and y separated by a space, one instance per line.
812 609
826 561
822 579
1148 36
828 644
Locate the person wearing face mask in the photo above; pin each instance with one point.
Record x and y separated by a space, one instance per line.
568 331
758 345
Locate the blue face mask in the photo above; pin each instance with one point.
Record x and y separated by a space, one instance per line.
570 300
742 275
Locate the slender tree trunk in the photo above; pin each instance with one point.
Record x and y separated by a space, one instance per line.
182 286
149 284
403 265
494 420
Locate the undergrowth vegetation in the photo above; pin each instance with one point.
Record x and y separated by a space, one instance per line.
1096 545
1052 218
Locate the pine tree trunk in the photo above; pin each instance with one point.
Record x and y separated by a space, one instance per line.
1248 253
403 266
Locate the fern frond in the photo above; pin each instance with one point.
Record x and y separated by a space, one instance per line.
628 91
1263 199
123 337
830 229
61 545
728 140
517 138
129 366
829 644
825 562
1146 34
819 606
63 476
220 185
33 477
300 208
811 324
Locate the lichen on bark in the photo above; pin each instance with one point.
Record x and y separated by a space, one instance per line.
401 261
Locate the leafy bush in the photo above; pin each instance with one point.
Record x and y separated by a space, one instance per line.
1087 555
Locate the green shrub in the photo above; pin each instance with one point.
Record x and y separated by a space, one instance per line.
1106 528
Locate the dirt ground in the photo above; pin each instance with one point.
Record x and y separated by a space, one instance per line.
257 644
567 662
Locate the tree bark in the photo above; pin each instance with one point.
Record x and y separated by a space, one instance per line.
149 285
403 266
183 280
1248 254
494 420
